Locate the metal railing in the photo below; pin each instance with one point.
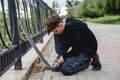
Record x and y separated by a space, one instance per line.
13 43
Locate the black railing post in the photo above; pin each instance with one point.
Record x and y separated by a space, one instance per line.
15 33
38 18
0 66
46 13
12 49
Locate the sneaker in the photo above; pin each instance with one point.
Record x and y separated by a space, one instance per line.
56 68
96 63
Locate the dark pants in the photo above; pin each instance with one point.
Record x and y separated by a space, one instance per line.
75 64
72 64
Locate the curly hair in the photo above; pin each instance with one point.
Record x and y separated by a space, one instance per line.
52 22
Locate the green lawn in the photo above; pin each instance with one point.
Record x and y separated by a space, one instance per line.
104 20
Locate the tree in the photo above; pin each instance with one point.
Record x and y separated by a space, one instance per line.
112 6
72 3
118 4
56 7
93 8
98 8
69 4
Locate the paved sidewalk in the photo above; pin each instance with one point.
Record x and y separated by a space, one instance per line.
109 49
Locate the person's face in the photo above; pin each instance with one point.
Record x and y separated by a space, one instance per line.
59 29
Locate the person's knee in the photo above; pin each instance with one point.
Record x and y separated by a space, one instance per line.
66 71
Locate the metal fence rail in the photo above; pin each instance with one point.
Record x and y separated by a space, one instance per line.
13 43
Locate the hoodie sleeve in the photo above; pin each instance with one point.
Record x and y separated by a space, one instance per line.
76 48
75 41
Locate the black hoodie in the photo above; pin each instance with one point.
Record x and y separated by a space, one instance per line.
79 37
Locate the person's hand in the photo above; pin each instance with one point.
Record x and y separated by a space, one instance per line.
60 60
56 59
